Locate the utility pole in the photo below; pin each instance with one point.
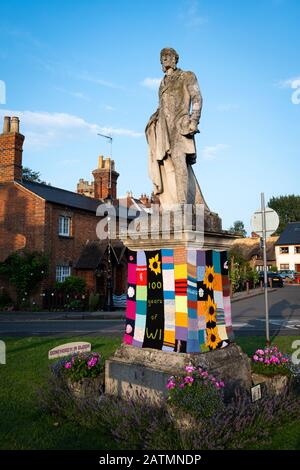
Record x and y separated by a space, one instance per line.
109 137
264 245
109 200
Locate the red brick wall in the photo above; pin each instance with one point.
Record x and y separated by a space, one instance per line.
89 277
64 250
11 156
22 217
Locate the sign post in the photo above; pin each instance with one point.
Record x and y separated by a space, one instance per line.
264 243
265 222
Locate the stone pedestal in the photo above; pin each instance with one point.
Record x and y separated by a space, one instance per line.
132 371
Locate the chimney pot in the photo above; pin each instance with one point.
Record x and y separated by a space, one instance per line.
100 161
107 163
15 124
6 125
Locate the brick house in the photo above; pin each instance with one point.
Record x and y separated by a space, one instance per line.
57 222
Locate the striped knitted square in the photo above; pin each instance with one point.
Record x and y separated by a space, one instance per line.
167 256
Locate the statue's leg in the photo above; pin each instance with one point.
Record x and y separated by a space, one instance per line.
195 195
169 194
181 176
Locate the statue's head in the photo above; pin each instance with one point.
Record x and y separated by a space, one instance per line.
168 58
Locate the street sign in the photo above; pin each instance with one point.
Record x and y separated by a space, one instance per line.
272 222
68 349
265 222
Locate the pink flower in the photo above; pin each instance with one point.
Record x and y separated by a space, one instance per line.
170 385
68 365
260 352
221 384
189 369
260 359
255 357
181 386
92 362
188 380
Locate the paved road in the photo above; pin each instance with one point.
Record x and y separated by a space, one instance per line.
247 314
284 312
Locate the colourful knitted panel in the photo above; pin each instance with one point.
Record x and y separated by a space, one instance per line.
193 337
155 323
141 299
178 300
181 308
131 299
169 298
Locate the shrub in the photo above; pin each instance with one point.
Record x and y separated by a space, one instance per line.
5 300
72 285
196 392
75 304
94 302
140 424
25 270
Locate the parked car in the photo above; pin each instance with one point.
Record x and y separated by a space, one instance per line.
274 279
284 273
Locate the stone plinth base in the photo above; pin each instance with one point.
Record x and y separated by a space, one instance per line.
133 370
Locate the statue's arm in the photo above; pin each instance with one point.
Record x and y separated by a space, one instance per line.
196 101
152 119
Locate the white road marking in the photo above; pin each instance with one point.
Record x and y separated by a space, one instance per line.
282 323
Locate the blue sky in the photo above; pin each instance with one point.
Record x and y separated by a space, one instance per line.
75 68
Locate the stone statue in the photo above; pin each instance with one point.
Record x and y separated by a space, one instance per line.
170 135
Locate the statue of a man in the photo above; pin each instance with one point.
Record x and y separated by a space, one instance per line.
170 135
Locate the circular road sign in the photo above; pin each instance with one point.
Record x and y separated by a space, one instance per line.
272 222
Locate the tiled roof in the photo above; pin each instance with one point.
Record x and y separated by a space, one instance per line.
290 235
62 196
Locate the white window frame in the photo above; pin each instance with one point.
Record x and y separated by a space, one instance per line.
62 272
284 264
281 248
64 226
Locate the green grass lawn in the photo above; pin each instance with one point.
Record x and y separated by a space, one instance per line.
23 426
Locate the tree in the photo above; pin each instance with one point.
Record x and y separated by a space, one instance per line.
25 270
240 271
238 228
72 285
31 175
288 209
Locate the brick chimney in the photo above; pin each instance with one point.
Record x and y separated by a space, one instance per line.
102 176
146 200
11 149
85 188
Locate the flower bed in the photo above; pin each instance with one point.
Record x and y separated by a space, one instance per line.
83 373
270 361
194 395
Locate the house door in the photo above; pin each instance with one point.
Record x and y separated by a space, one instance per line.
297 268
